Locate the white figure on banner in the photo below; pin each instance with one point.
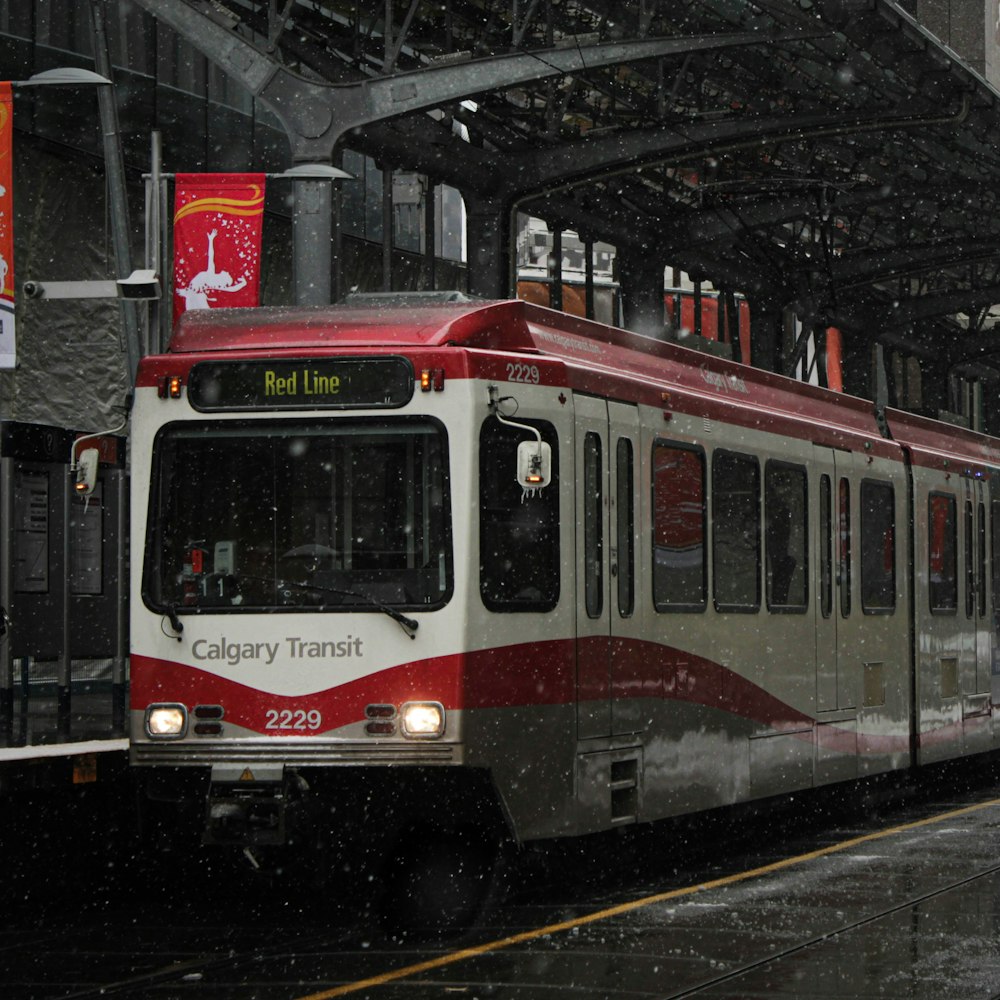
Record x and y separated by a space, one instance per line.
4 268
209 280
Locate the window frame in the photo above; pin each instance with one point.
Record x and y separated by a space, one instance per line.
727 607
659 605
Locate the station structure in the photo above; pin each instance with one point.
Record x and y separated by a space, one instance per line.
814 181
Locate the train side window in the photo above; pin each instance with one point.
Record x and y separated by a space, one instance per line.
942 553
995 552
970 569
878 548
825 546
736 532
785 534
625 528
981 559
593 523
679 582
518 533
844 569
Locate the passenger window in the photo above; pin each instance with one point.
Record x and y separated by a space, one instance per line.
593 524
942 553
878 548
625 528
981 560
736 532
678 528
825 547
995 552
844 569
785 534
970 569
518 531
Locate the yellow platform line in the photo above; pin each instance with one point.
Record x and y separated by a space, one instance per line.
621 909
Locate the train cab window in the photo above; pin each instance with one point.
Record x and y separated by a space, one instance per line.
942 553
593 526
625 527
736 532
334 514
825 546
878 548
679 582
970 566
785 535
518 531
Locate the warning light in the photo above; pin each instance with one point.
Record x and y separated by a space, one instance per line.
432 378
170 387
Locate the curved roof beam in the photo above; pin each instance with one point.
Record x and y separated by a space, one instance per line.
590 159
317 115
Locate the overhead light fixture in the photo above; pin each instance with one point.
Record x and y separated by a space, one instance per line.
65 76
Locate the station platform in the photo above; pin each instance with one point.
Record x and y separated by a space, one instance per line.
51 735
844 902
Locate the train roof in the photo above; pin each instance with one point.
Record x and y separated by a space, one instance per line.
593 353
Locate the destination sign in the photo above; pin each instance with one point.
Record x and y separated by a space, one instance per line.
308 384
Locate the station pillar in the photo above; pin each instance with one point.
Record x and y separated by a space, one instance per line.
640 277
488 226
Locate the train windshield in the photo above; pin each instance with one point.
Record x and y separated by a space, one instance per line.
283 515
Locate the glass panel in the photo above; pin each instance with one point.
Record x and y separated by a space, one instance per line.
786 531
878 547
844 578
736 531
593 534
942 553
981 560
678 528
333 514
518 532
625 529
825 547
970 579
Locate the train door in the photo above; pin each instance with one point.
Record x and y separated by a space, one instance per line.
975 696
978 603
834 574
606 452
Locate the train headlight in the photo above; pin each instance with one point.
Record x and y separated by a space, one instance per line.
422 720
166 722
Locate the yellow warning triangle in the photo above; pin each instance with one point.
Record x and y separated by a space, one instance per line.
247 775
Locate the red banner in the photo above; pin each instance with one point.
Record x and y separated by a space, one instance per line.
217 235
8 354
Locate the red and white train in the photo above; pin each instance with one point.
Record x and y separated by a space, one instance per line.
489 563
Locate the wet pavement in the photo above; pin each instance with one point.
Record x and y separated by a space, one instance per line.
898 901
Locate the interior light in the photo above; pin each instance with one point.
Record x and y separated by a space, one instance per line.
423 720
166 721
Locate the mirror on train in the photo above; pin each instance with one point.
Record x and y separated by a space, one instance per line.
86 472
534 464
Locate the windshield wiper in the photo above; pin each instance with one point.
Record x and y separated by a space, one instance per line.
408 625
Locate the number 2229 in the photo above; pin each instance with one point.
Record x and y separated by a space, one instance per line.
287 718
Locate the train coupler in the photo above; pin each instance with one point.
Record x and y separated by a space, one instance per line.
246 805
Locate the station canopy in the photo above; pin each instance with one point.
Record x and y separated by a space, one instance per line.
825 156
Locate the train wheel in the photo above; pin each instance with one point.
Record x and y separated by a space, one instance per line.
438 882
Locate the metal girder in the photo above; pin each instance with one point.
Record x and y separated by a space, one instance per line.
930 306
317 115
593 158
886 263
